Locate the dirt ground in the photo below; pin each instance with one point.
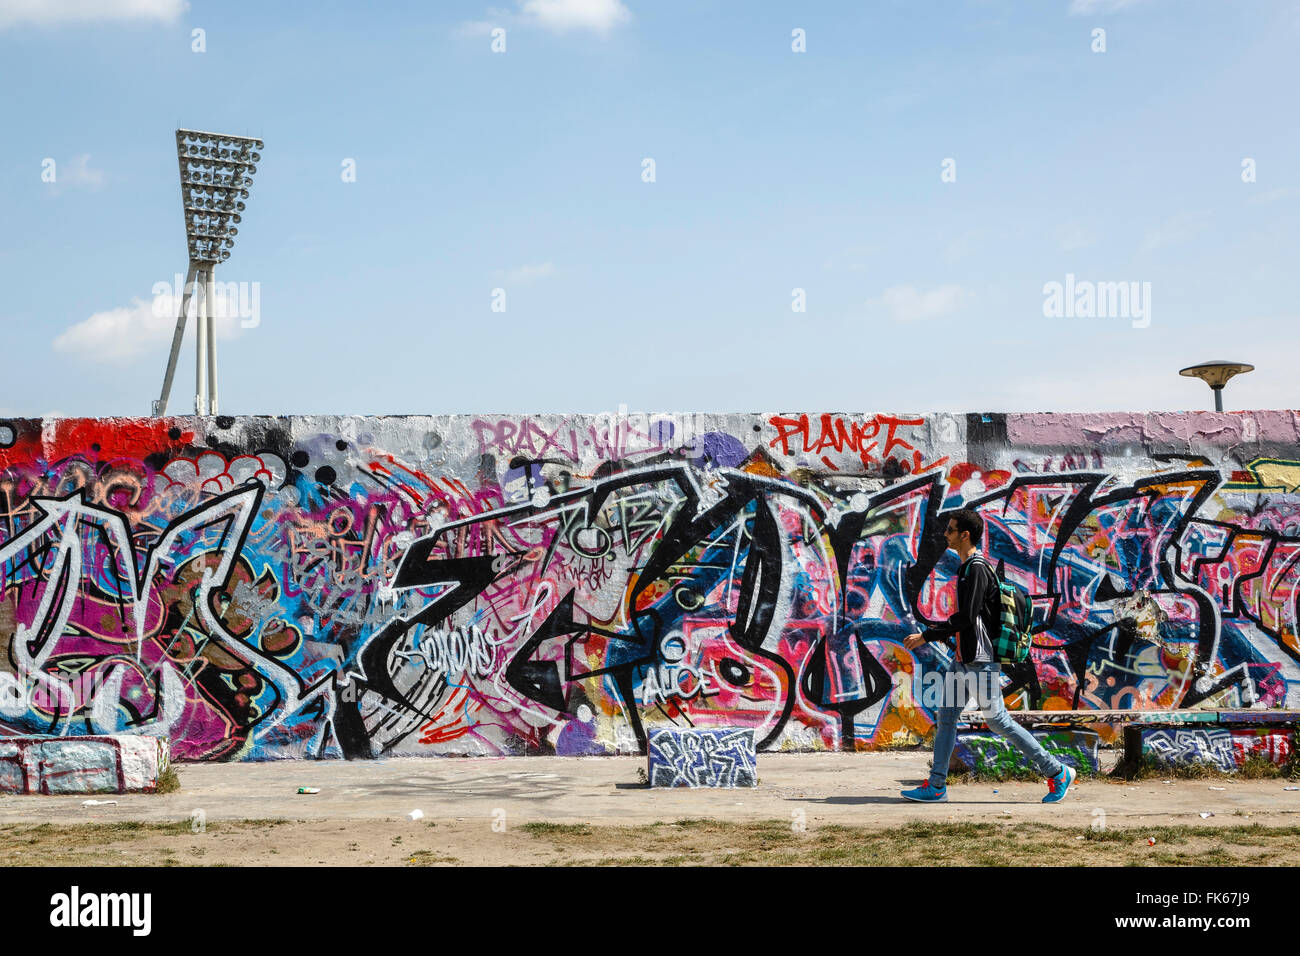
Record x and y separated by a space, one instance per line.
807 809
685 842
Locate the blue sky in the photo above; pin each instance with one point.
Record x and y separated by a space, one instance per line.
775 170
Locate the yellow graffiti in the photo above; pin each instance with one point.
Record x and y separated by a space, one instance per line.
1269 474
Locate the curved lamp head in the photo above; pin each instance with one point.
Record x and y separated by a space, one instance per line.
1216 375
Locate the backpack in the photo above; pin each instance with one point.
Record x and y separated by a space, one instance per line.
1015 621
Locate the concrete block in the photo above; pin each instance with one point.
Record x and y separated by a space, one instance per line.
1225 748
988 752
90 764
722 757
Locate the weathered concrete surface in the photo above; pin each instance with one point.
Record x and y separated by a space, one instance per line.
266 588
80 765
854 789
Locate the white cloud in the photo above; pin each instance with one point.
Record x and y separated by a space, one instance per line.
1083 8
527 273
123 334
1178 229
559 16
59 12
600 16
905 304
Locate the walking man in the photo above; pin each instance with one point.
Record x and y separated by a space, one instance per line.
974 669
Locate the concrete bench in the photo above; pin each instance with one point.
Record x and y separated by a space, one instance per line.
722 757
91 764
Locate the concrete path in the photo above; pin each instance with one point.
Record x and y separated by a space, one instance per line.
851 789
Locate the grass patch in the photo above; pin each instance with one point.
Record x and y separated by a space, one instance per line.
988 775
134 827
169 781
1253 768
617 861
929 844
556 829
694 842
429 858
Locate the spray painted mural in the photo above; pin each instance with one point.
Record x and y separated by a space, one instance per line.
262 588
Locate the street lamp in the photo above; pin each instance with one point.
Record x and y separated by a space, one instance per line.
1216 375
216 171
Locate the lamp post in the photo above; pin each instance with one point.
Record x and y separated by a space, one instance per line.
216 171
1216 375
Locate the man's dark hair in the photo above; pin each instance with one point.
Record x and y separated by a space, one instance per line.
967 520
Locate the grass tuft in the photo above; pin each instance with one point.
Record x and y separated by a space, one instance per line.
429 858
1253 768
169 781
541 829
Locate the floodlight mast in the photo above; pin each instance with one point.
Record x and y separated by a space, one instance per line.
214 182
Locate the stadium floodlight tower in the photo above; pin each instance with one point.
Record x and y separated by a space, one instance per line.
216 171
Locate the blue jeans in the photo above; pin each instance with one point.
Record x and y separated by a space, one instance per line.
982 680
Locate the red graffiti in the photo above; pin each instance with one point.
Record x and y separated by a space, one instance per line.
841 435
93 439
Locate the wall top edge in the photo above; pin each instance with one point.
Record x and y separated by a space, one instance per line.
1234 413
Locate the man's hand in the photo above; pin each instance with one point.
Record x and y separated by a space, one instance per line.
913 641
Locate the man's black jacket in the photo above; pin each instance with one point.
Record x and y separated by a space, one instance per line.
977 588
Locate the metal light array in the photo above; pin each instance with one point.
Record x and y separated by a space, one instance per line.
216 171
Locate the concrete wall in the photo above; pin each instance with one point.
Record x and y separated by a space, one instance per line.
319 587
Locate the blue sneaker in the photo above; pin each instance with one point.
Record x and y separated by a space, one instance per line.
1058 785
927 794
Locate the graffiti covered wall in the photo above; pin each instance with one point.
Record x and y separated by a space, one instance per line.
261 588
